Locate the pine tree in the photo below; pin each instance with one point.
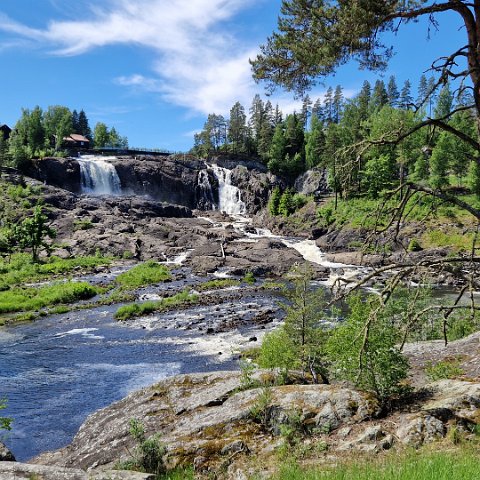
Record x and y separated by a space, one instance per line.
75 122
237 128
306 111
315 143
337 103
328 105
422 90
257 118
83 126
444 102
363 100
277 150
379 96
392 92
406 99
317 110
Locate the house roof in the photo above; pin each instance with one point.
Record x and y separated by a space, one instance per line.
75 137
5 127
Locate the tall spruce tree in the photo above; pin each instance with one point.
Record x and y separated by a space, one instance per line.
392 91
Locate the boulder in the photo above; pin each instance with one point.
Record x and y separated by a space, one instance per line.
5 454
418 429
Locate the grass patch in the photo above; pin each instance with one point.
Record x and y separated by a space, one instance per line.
20 269
139 309
456 241
446 465
147 273
31 299
363 212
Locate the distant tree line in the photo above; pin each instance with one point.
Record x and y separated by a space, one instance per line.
323 132
39 133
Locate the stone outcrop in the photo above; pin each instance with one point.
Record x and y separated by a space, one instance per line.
59 172
312 182
164 179
25 471
5 454
210 421
181 180
202 417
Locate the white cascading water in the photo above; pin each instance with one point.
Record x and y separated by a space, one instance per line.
229 196
206 188
99 177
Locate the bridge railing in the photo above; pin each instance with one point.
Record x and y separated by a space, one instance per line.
133 150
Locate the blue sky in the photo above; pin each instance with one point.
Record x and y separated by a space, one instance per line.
154 69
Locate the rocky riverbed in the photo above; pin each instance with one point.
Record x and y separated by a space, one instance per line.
64 367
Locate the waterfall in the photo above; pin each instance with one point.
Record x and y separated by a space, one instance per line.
98 177
229 196
206 192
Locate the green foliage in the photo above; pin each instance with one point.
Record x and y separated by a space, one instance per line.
82 225
259 411
247 369
444 369
140 309
249 278
278 351
5 422
20 268
414 245
33 231
274 201
374 362
299 342
144 274
149 452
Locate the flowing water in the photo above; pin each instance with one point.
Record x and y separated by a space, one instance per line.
58 370
229 196
99 177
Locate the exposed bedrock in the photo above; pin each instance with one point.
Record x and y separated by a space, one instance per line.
182 181
59 172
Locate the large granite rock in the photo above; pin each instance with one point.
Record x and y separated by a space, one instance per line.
201 418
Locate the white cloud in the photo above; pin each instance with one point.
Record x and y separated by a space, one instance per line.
197 63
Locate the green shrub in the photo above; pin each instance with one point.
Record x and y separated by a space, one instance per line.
249 278
414 245
5 422
375 365
443 369
274 201
82 225
149 452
